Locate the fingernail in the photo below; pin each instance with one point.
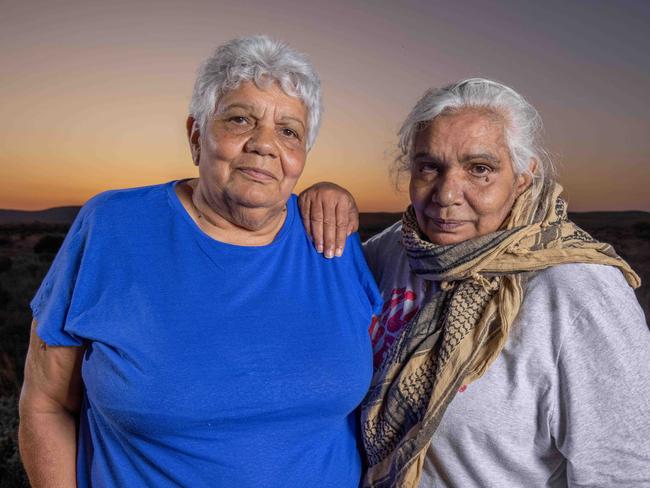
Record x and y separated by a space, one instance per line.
349 233
329 253
319 247
338 252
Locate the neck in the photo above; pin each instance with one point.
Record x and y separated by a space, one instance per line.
226 221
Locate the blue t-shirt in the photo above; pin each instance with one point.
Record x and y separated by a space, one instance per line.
209 364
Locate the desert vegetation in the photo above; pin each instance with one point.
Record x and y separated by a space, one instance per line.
26 252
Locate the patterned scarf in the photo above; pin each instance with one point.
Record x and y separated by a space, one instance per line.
456 336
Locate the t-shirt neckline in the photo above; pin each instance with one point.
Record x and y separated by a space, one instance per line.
179 209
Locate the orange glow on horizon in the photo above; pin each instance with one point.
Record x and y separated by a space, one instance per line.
95 97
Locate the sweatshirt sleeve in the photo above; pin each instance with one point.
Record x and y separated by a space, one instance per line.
602 414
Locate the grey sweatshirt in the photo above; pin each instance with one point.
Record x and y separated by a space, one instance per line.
567 402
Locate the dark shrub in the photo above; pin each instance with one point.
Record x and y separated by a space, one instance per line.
11 470
5 297
5 263
48 244
642 230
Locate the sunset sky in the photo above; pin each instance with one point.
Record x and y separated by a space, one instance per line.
94 95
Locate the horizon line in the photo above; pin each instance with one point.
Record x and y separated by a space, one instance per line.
360 211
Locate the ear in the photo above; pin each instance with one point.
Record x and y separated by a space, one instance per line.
525 179
194 138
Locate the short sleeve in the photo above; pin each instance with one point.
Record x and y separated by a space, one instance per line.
365 276
369 251
51 304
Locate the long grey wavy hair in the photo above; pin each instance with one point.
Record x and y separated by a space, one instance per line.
523 124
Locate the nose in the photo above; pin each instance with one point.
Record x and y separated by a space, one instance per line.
262 141
448 190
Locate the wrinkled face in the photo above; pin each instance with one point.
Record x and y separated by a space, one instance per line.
253 149
462 179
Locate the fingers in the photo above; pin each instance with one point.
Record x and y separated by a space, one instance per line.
315 219
305 205
329 214
329 228
353 217
316 223
341 229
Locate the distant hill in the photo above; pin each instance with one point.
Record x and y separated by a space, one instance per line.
65 215
57 215
370 222
611 219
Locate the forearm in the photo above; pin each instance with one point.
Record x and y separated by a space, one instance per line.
48 448
50 401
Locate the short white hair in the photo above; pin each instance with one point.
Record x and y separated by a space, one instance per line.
523 122
261 60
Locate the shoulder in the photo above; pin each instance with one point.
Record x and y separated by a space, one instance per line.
580 273
123 204
392 233
131 198
582 285
386 256
385 243
587 305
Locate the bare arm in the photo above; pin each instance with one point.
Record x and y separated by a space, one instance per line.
50 401
330 215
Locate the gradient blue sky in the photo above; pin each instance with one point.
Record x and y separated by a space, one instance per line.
93 95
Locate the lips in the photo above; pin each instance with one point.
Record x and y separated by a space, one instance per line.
447 225
257 174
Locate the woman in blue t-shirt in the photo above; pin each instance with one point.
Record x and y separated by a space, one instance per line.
187 334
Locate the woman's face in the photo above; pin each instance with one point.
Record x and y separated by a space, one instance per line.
462 179
253 149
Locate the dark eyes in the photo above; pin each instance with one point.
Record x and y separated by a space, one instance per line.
476 169
238 119
428 168
481 170
289 132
